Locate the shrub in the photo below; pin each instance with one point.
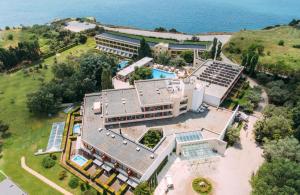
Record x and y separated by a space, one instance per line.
73 183
48 162
62 175
232 136
201 185
82 187
296 46
53 156
10 37
281 43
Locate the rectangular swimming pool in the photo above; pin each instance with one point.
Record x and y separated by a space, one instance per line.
158 74
122 64
79 160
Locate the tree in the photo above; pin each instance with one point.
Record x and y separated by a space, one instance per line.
214 48
173 30
63 71
288 148
106 81
142 189
232 136
177 62
195 38
219 49
10 37
273 128
48 162
188 56
144 50
160 29
277 92
281 43
140 73
163 58
3 129
73 183
277 177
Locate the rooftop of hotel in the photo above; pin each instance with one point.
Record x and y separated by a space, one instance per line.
113 146
217 77
127 39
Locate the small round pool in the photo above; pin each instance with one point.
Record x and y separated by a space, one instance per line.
158 74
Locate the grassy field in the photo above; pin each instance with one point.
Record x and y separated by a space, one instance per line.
30 133
2 176
160 40
273 53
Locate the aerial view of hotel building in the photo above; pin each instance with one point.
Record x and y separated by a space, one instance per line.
128 47
114 121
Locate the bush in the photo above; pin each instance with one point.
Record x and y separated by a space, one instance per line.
62 175
296 46
281 43
232 136
10 37
48 162
73 183
201 185
82 187
53 156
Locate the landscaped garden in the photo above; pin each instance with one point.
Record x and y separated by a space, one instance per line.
202 186
152 137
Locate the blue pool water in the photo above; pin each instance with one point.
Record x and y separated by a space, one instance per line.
76 129
185 15
122 64
80 160
157 74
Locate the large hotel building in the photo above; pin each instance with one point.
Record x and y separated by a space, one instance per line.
128 47
106 112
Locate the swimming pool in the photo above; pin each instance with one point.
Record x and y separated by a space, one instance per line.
123 64
76 129
157 74
79 160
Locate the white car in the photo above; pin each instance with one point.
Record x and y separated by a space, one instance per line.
169 181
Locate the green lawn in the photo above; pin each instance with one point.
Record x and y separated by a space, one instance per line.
30 133
2 176
273 53
18 35
161 40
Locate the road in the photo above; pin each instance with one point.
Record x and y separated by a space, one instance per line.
223 38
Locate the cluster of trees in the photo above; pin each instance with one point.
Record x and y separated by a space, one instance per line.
281 172
140 73
71 81
57 37
162 29
215 51
142 189
25 51
295 23
252 97
144 50
165 58
250 58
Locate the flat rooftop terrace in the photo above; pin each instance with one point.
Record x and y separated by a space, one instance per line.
211 124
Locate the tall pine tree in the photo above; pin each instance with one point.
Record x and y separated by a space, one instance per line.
144 50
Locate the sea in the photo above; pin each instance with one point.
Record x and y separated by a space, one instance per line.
190 16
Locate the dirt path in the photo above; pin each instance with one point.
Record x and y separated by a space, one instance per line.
42 178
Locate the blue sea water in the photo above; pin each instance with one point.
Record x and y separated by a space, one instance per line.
190 16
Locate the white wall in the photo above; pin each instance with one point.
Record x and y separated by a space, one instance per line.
197 99
212 100
229 123
168 150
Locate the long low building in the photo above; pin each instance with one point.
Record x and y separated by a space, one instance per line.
128 47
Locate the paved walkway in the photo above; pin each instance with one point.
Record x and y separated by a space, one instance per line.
42 178
181 37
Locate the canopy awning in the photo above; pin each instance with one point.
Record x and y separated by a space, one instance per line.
132 183
106 167
122 177
98 162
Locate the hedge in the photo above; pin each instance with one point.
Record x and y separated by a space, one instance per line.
66 129
79 169
47 55
111 179
68 149
71 126
66 48
87 165
105 186
122 189
97 174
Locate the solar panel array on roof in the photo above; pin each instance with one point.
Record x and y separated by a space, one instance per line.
219 73
56 134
